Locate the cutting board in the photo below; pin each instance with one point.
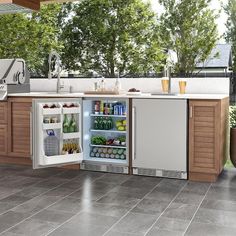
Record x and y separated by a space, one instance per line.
101 92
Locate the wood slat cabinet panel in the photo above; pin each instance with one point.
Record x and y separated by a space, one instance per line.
3 139
208 126
3 112
19 127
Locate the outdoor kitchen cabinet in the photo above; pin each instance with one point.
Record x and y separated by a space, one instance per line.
19 127
3 128
208 138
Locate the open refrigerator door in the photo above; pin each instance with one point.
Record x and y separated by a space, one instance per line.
56 132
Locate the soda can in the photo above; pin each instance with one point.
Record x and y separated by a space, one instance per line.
123 112
119 110
116 110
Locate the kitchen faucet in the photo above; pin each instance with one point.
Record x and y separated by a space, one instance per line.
58 67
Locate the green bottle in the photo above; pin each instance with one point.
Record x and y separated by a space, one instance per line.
65 124
72 126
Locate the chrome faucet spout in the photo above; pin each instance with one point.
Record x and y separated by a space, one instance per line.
58 67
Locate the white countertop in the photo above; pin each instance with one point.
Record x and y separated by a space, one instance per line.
143 95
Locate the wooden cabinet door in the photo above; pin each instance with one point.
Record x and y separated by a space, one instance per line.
3 140
204 136
19 127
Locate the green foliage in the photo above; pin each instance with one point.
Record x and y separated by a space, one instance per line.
110 37
31 36
232 116
230 35
189 29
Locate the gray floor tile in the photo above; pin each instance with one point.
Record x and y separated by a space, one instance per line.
6 191
226 179
114 178
129 192
162 194
59 192
41 173
79 230
189 198
10 218
51 182
163 232
200 229
100 186
53 216
92 219
172 224
36 204
5 207
69 204
151 206
196 187
135 223
69 174
141 182
15 199
117 233
74 184
113 199
108 210
221 218
33 227
89 194
219 205
172 183
32 191
10 234
180 211
221 193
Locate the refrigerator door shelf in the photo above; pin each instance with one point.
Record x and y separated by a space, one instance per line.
51 111
39 128
71 110
62 159
52 126
75 135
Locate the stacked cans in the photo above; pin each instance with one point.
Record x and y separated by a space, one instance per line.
119 109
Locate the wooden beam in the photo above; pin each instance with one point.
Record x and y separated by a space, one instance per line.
56 1
32 4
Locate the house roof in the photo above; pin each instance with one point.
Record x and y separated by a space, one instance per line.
223 60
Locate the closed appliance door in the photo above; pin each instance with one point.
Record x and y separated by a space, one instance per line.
160 134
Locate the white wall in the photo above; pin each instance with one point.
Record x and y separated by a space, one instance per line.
151 85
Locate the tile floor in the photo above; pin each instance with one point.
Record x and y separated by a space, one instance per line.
67 202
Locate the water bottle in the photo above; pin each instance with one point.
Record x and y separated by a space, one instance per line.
51 144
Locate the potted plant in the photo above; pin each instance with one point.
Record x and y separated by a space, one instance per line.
232 114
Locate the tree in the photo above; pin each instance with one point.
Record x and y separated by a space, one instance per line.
110 37
230 35
189 29
31 37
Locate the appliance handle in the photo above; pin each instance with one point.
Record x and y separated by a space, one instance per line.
4 97
133 133
191 112
8 71
31 134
